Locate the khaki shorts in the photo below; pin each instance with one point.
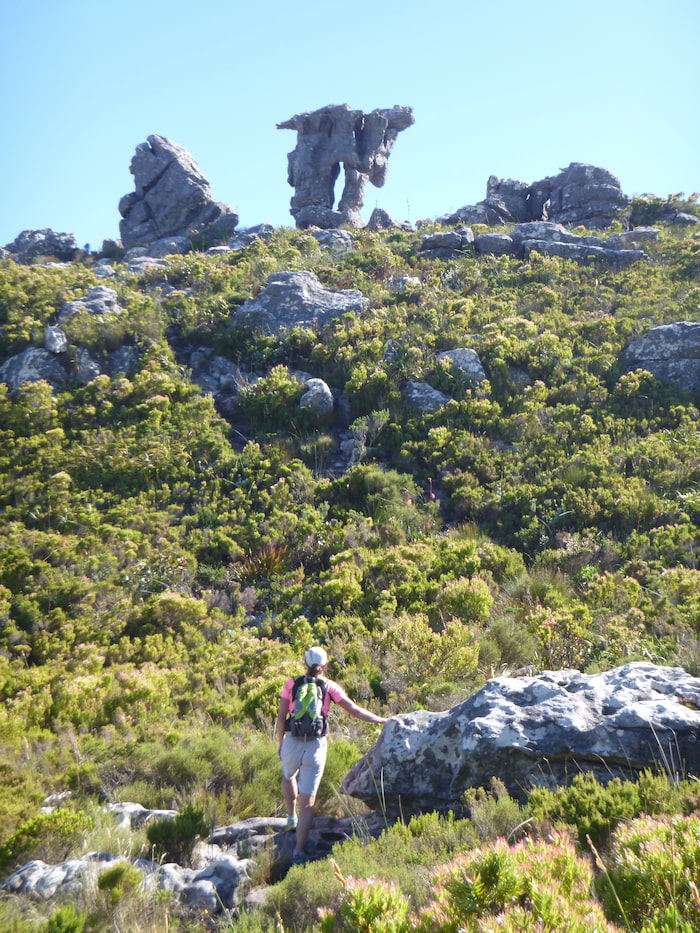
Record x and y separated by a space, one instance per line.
304 759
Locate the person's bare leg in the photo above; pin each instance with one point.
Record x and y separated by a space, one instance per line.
289 792
306 818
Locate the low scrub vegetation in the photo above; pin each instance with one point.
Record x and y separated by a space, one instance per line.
163 567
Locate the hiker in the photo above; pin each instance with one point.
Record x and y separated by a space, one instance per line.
301 733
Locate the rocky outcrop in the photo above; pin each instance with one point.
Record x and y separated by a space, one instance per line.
317 397
448 244
465 361
552 239
334 241
40 244
33 365
540 730
297 299
544 237
328 138
212 889
670 352
424 397
99 302
219 879
172 197
59 363
380 219
579 195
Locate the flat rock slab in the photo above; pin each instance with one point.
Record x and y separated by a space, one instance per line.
298 299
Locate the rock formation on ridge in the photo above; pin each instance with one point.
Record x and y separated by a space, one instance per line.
328 137
37 244
172 196
580 194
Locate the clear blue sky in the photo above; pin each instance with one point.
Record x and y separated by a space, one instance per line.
515 89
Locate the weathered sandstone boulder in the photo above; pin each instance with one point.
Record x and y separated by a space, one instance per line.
553 239
38 244
671 352
540 730
100 301
33 365
424 397
328 138
580 194
465 361
318 397
447 244
297 299
172 197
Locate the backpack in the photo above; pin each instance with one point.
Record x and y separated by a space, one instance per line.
307 719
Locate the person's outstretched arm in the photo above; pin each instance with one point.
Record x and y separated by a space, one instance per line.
281 720
359 712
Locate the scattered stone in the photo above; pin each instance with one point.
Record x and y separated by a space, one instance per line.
424 397
297 299
380 219
448 244
495 244
337 242
124 359
632 239
140 263
553 239
222 863
685 219
172 197
85 368
170 246
53 801
530 731
100 301
670 352
33 365
332 136
318 397
465 361
404 283
37 244
245 237
112 249
55 340
104 270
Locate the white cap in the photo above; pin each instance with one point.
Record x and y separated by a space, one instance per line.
316 656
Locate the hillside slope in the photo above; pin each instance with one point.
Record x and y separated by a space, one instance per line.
167 554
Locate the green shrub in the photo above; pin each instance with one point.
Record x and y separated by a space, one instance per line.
596 809
174 839
50 836
536 885
372 907
66 920
495 814
651 882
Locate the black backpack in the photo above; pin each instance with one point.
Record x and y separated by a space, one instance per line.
307 719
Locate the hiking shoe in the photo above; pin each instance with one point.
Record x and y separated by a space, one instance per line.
298 858
291 823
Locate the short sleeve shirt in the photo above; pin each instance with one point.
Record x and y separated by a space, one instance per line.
334 693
